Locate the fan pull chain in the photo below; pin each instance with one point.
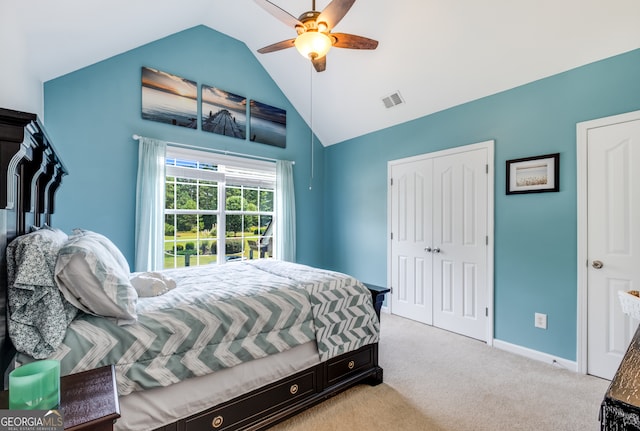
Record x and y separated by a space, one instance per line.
311 121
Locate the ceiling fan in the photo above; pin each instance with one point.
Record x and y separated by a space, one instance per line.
314 31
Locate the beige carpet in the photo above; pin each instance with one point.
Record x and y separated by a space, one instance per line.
439 381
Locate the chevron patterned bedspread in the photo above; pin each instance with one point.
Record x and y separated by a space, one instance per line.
221 316
342 307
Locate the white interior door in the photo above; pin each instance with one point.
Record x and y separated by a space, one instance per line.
613 224
439 216
460 243
411 222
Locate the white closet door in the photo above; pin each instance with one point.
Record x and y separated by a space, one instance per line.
411 266
438 211
460 243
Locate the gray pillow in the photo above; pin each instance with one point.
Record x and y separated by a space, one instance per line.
93 278
106 242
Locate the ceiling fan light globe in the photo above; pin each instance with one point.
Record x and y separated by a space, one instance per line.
313 44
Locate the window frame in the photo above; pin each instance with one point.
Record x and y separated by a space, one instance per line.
227 174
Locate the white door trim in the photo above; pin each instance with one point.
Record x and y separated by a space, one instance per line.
582 130
489 146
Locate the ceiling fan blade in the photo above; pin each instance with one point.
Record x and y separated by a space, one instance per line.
279 13
277 46
334 12
320 64
344 40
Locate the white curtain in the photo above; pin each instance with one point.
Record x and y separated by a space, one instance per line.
150 197
285 247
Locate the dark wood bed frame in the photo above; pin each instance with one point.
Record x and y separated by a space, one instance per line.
31 172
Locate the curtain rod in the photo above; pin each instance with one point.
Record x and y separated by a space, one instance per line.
215 150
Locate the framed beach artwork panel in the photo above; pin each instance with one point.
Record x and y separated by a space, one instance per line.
168 98
224 113
534 174
267 124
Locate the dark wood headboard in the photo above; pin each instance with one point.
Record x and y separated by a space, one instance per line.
30 174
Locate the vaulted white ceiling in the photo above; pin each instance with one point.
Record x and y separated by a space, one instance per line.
436 53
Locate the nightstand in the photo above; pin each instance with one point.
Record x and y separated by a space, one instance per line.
88 400
377 295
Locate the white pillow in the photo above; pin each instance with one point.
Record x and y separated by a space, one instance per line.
151 283
91 278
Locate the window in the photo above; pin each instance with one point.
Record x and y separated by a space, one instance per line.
218 208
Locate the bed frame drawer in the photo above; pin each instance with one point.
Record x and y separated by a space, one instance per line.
239 413
350 363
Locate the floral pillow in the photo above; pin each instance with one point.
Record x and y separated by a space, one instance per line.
38 313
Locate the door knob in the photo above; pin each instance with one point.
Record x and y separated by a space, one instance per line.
427 249
597 264
436 250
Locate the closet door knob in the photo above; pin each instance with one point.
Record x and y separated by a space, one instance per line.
427 249
436 250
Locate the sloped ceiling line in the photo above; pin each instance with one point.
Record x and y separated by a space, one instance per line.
441 52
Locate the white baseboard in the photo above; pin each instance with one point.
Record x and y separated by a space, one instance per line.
534 354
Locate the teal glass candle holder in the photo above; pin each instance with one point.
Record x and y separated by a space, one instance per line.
35 386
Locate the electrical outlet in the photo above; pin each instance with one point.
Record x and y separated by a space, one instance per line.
540 321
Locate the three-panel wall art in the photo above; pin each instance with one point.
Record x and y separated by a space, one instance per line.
171 99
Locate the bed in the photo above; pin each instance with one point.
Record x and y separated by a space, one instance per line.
187 355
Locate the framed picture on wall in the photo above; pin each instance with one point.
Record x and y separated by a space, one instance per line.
534 174
268 124
223 112
168 98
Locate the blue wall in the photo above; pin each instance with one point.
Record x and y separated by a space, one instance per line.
535 234
91 115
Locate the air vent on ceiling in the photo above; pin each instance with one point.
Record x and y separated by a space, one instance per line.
392 100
